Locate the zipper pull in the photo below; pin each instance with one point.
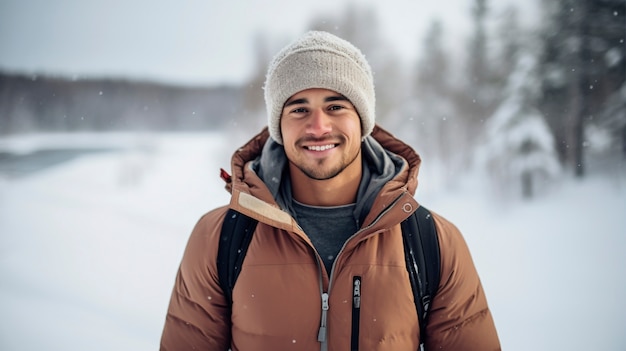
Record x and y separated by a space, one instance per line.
356 292
325 302
321 336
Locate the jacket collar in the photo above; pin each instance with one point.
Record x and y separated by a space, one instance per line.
390 170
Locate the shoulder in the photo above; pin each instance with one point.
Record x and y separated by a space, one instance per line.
197 293
210 221
455 257
451 241
204 239
460 316
457 265
458 273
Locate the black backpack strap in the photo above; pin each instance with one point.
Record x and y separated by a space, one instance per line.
421 250
235 238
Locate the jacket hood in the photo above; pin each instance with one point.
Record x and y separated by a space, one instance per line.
390 168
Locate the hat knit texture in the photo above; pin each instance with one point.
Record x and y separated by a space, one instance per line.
320 60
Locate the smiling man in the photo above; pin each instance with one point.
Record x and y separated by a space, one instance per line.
325 268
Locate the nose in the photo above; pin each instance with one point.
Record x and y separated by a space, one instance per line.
319 123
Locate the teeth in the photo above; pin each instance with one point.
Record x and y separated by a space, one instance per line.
320 147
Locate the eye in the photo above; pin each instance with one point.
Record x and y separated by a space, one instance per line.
299 110
335 107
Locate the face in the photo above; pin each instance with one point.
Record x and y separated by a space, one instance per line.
321 133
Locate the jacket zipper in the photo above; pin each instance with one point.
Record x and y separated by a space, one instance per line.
356 312
321 335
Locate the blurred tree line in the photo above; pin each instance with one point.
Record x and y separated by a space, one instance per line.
523 104
40 103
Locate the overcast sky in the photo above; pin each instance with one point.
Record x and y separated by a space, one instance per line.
190 41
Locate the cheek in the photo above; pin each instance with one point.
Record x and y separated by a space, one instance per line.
288 142
288 138
290 131
354 126
284 131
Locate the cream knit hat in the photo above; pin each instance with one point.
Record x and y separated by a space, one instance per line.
320 60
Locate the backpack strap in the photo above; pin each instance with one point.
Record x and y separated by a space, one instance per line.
237 230
421 251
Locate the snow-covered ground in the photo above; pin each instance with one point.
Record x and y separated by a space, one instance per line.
89 247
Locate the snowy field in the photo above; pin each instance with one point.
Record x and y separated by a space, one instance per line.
89 247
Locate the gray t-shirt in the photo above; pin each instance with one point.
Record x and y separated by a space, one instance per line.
327 227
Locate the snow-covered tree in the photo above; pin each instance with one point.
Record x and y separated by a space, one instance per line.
613 118
519 152
583 64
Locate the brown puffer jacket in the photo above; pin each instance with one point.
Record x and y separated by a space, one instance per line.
277 301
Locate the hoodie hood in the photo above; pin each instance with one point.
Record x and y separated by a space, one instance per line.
260 168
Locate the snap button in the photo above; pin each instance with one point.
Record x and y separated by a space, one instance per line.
407 207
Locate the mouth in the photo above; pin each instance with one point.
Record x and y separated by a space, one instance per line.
320 147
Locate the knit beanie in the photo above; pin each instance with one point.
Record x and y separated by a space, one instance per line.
320 60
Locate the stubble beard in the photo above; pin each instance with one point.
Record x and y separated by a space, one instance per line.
320 173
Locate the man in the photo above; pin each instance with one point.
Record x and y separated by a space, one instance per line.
329 190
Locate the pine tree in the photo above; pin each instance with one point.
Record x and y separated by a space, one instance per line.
437 122
519 148
480 95
583 64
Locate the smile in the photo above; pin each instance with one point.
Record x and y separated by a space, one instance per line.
320 147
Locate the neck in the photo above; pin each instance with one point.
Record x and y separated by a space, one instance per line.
336 191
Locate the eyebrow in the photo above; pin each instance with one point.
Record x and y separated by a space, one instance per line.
306 101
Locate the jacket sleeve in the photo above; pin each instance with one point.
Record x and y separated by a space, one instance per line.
198 317
460 318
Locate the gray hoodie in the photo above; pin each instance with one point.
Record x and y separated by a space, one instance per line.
379 166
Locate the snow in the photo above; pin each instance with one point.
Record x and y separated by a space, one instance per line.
89 247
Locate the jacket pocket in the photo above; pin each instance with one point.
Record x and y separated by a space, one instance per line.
356 312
